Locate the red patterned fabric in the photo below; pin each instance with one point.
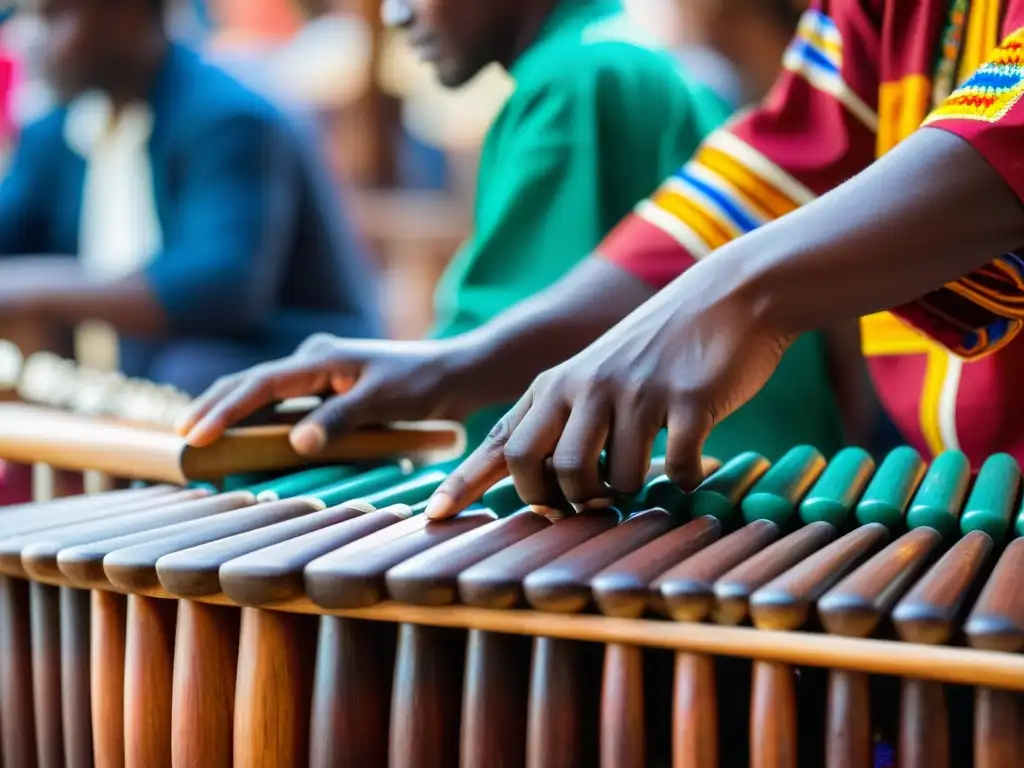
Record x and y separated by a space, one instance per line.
857 80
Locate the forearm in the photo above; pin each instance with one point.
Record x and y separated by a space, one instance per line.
129 305
927 213
499 360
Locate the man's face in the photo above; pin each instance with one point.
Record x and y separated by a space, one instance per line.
80 43
459 37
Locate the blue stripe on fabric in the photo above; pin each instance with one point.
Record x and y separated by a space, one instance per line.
738 216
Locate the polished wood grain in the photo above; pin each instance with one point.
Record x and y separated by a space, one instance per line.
16 719
203 690
773 724
786 602
431 578
854 608
39 551
694 712
623 741
275 574
274 691
562 718
929 611
44 603
856 605
73 504
570 687
733 589
19 533
495 700
997 620
65 440
355 579
82 564
428 679
848 723
686 591
497 581
76 683
107 660
998 737
623 588
195 571
351 708
563 585
133 567
924 729
148 680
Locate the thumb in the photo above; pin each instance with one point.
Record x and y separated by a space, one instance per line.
339 415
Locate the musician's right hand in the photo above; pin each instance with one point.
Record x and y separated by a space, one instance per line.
359 379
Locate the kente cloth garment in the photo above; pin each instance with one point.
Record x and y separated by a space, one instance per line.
860 76
582 138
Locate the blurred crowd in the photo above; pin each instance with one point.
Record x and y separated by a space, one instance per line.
319 56
194 187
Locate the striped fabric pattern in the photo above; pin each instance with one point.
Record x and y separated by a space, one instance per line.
997 289
816 54
725 191
992 90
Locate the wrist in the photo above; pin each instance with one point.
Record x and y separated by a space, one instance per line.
764 284
464 361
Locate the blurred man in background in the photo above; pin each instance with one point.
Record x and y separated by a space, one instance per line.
594 114
168 201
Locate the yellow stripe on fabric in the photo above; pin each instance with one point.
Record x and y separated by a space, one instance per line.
981 38
831 49
884 335
696 218
771 202
936 370
902 107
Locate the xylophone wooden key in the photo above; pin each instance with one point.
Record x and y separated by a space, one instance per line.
854 608
497 668
786 603
996 622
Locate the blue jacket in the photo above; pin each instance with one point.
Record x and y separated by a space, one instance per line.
257 246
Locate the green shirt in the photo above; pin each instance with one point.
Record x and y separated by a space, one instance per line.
597 119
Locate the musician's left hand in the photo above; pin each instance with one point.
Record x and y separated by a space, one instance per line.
686 359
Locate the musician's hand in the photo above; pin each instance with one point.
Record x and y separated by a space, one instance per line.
363 382
686 359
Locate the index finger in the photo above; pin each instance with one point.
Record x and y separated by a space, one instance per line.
202 405
258 388
480 470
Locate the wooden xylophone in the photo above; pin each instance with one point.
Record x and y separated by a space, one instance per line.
805 613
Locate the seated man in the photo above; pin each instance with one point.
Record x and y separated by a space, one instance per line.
582 134
170 202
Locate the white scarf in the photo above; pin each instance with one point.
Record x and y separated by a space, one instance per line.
119 230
